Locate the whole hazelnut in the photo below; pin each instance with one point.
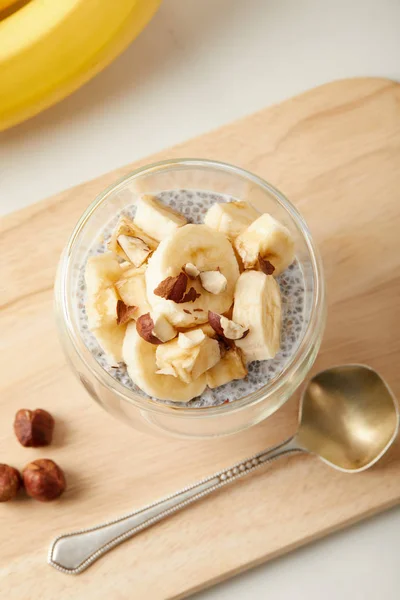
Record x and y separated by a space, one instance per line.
43 480
10 482
34 427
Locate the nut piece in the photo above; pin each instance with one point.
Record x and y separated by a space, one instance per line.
163 329
213 281
265 266
155 330
43 480
124 313
172 288
191 270
34 428
190 296
225 327
10 482
145 328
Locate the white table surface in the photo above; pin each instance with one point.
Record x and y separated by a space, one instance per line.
199 64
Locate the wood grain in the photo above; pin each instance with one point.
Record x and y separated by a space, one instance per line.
335 152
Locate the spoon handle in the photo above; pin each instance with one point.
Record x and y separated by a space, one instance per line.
74 552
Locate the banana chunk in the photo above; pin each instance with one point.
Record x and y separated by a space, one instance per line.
189 339
209 250
132 289
101 297
156 219
190 362
230 367
230 218
131 243
258 308
268 239
101 273
140 359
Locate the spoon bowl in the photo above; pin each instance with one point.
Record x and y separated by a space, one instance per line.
348 417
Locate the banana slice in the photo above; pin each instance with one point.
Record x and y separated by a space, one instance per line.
101 273
132 289
140 359
208 250
156 219
258 308
111 339
267 239
230 367
231 218
131 243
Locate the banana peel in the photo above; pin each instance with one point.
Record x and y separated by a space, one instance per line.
49 49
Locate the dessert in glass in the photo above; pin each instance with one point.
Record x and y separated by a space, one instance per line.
190 298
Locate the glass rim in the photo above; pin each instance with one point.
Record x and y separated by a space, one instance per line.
310 335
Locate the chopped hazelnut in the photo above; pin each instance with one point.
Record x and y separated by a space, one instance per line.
191 270
172 288
145 328
124 313
213 281
155 329
190 296
225 327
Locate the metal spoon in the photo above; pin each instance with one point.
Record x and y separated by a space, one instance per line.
348 418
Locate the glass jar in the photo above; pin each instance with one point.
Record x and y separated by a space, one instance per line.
145 413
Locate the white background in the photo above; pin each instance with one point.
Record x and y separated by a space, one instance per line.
199 64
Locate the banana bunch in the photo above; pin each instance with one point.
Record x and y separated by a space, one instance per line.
171 300
49 49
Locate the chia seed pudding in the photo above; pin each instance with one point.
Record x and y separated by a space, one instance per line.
193 205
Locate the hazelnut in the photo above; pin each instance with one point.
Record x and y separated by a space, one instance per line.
124 312
43 480
213 281
34 428
172 288
145 328
190 296
225 327
10 482
191 270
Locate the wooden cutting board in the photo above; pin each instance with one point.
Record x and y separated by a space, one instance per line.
335 152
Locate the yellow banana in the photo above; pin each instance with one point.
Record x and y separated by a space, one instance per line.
49 49
6 4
